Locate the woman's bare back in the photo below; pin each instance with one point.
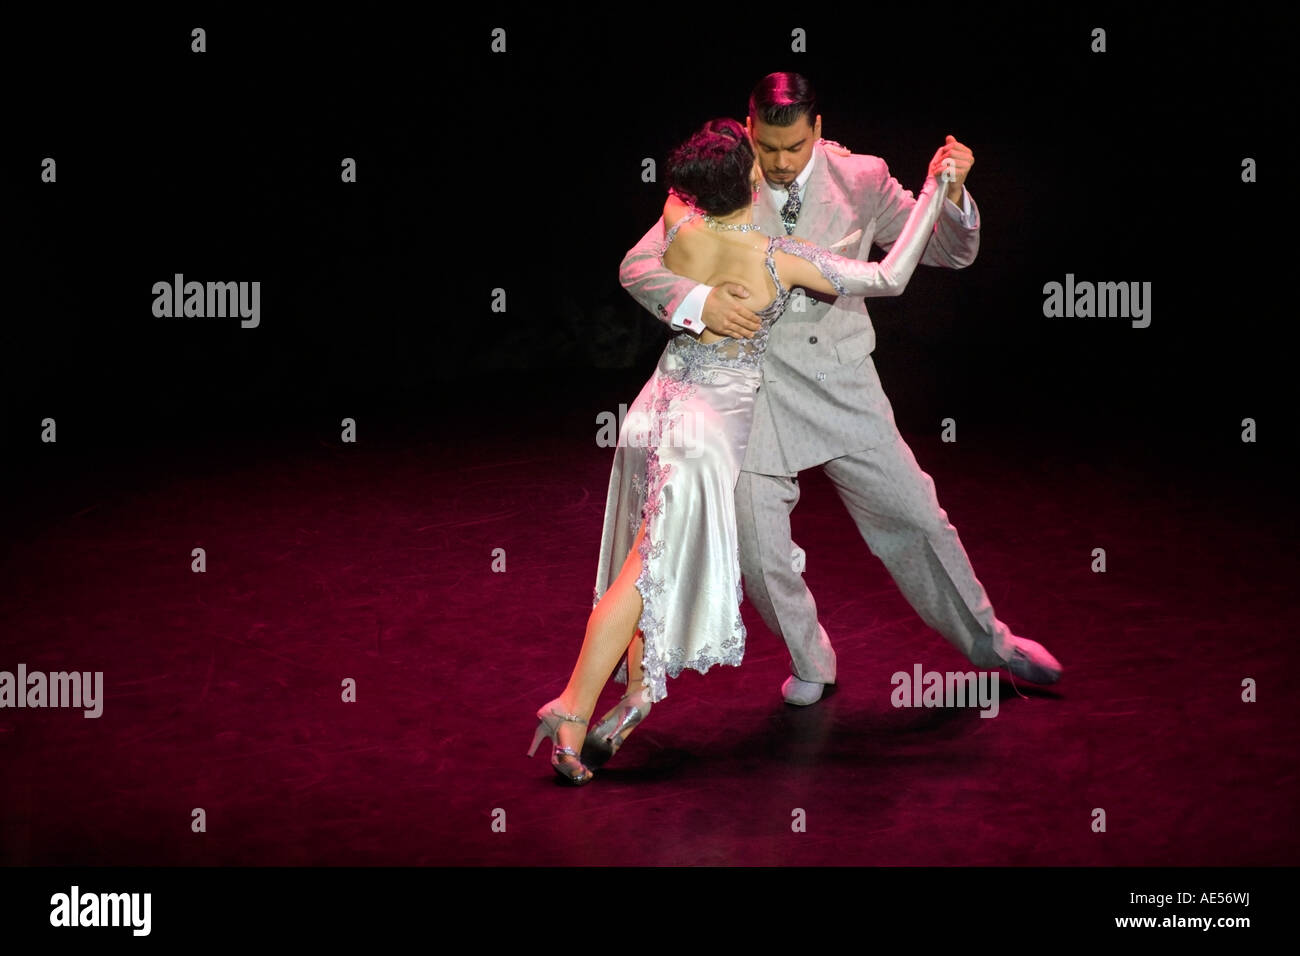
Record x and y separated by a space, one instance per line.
714 257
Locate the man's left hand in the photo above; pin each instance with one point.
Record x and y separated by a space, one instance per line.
963 159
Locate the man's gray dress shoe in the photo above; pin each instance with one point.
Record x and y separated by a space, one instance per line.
801 692
1033 662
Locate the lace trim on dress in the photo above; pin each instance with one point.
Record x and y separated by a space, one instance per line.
656 668
698 361
818 256
729 352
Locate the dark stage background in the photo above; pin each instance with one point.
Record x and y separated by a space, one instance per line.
476 430
522 171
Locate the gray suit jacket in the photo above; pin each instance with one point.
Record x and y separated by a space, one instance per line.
821 397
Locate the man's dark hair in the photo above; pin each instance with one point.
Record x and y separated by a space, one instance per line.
779 98
712 168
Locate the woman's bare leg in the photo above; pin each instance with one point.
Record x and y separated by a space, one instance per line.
610 629
635 652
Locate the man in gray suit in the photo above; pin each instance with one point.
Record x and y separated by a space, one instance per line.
821 401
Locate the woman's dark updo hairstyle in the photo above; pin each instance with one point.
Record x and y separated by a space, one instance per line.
712 168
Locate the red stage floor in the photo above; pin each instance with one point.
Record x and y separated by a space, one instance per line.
373 562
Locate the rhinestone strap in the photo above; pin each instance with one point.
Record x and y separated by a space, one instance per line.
731 226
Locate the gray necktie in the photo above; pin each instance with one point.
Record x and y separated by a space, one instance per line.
790 211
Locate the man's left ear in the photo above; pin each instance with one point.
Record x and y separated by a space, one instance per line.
817 127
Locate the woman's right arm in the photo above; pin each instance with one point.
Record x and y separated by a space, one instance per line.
674 209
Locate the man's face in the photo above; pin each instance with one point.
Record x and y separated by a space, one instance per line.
783 151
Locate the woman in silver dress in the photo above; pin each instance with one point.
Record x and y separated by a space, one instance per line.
668 585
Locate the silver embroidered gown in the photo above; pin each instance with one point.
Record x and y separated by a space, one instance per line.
679 454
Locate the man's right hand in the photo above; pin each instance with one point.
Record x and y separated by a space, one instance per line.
725 312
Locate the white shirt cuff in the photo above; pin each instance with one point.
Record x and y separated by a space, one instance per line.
967 214
687 315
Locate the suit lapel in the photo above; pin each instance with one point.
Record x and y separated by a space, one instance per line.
821 199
